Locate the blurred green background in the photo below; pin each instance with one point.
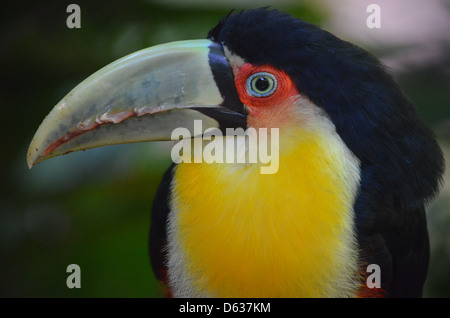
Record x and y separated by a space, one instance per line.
92 208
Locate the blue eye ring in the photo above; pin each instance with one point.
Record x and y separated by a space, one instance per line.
261 84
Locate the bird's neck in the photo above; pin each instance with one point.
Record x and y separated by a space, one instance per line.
237 232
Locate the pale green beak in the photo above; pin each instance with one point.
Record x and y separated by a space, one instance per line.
143 97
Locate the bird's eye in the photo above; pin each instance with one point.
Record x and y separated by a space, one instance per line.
261 84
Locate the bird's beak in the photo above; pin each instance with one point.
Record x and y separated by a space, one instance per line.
143 97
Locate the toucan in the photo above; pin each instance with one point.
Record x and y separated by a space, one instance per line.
356 165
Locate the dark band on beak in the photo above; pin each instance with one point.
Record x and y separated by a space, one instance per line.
223 75
234 114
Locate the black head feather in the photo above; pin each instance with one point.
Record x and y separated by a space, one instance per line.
399 155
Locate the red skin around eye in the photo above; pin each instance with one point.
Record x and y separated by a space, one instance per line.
272 110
